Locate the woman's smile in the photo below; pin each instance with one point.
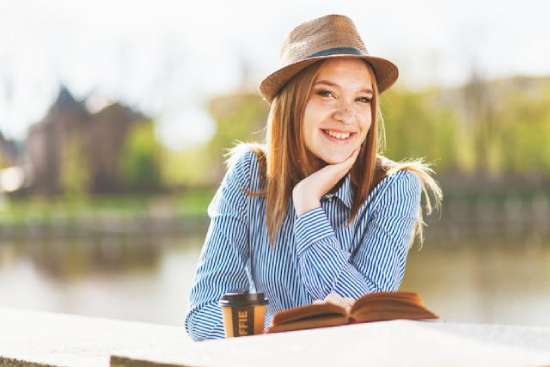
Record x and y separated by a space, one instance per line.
338 136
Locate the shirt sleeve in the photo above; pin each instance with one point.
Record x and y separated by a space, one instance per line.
378 263
221 266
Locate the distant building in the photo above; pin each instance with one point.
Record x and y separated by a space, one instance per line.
8 152
99 136
45 141
105 135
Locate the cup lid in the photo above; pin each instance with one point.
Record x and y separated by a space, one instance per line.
243 299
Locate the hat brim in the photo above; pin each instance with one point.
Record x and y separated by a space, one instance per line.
385 71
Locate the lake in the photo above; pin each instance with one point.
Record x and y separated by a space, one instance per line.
148 279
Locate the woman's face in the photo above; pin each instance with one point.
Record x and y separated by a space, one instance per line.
337 115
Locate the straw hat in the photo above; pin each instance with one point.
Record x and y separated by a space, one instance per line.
326 37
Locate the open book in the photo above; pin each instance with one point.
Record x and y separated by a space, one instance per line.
377 306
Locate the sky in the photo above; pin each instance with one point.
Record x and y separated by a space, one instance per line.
167 58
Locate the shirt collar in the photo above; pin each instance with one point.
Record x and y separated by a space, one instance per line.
344 192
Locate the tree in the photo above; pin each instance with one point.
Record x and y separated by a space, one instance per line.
417 127
140 158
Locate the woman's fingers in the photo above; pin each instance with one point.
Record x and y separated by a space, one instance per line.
351 159
349 301
334 172
307 193
345 165
337 299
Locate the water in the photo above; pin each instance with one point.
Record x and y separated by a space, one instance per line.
148 280
484 282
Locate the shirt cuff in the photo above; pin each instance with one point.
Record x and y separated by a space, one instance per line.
352 284
310 227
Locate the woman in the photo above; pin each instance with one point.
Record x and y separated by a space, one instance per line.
316 214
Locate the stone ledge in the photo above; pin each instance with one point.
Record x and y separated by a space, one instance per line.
31 338
130 362
10 362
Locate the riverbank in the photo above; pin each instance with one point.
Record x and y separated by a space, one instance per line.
464 215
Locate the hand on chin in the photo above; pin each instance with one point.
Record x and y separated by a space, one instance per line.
307 193
336 157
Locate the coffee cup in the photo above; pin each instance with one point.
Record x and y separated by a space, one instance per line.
243 313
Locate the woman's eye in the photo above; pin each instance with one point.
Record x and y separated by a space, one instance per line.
365 99
324 92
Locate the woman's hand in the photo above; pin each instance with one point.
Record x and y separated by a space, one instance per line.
336 299
307 194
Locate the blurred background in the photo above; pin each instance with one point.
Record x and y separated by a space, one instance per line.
114 118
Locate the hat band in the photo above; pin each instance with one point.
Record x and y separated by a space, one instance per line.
337 51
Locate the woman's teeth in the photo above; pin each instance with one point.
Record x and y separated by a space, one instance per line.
337 135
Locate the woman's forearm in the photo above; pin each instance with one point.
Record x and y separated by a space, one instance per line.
304 201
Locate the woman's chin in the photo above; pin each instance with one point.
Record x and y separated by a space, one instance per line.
335 158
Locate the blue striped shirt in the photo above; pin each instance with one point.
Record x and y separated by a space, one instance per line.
315 254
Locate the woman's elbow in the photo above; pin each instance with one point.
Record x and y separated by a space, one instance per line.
200 331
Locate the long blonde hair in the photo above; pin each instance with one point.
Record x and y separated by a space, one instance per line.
284 159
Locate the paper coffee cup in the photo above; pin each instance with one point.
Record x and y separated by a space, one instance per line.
243 313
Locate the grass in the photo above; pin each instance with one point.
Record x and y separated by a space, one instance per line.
16 211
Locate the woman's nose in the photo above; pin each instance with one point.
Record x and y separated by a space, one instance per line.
345 113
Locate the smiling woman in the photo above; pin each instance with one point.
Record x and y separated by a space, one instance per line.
316 212
338 113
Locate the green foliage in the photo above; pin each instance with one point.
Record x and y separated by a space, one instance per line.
187 167
418 124
75 173
240 117
140 158
416 127
195 201
523 136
